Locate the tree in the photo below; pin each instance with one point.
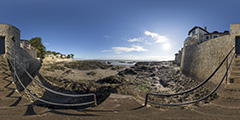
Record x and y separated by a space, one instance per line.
72 55
37 44
48 52
54 53
68 56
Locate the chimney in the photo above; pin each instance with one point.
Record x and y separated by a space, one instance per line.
205 28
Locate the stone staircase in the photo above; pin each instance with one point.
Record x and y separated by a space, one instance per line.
234 78
12 104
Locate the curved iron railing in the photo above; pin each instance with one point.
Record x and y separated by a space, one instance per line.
196 87
13 59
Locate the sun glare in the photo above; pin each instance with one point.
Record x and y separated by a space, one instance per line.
166 46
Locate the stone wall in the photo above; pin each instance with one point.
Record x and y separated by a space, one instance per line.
200 60
11 34
12 43
178 57
31 51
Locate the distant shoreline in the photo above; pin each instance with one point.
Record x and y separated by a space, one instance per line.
124 62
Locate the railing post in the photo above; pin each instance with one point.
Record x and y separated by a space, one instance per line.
14 62
146 100
226 69
95 100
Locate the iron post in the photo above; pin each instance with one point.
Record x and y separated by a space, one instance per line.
226 69
146 100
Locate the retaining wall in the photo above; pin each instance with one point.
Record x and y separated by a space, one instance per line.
200 60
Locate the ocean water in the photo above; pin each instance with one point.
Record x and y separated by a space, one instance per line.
123 63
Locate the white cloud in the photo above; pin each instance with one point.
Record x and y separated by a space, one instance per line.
147 43
46 44
135 40
143 58
106 50
158 38
107 36
119 50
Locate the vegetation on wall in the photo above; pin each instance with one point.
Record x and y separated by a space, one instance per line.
58 54
37 44
41 49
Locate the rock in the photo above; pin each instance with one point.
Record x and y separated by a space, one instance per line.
91 73
145 68
129 71
156 78
112 80
86 65
67 72
163 82
121 74
152 75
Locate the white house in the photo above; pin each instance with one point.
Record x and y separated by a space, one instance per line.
199 35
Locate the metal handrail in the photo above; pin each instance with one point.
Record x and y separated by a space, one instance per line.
187 91
199 85
56 92
48 102
48 89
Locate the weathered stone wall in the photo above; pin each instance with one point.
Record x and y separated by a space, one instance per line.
12 42
32 52
178 57
11 34
200 60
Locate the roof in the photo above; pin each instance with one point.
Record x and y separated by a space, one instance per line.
196 28
25 41
9 25
215 32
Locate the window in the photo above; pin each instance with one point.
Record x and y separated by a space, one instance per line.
215 36
13 39
193 32
2 45
207 37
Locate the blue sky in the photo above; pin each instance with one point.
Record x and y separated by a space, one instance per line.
117 29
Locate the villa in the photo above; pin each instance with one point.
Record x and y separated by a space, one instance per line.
199 35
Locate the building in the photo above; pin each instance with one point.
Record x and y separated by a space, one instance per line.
196 36
204 51
28 47
199 35
24 43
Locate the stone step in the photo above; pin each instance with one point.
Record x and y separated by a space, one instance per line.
233 87
229 95
236 64
234 76
234 80
9 93
235 68
236 60
235 73
13 101
22 111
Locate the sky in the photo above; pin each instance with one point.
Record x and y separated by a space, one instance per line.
117 29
